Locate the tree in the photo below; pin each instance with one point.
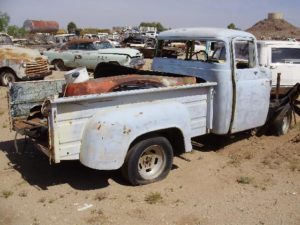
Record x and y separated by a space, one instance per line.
4 21
158 25
72 27
232 26
16 31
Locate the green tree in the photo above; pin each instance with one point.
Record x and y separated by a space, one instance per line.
233 27
72 27
158 25
16 31
4 21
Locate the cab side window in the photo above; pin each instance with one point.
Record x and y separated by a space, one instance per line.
245 55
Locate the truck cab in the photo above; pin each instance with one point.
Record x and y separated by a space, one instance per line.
241 99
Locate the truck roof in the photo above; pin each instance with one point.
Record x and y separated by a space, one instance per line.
202 33
280 43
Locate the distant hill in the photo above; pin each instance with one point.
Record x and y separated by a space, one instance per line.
274 29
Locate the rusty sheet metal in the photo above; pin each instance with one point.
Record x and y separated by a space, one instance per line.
25 95
41 26
15 54
125 82
40 66
81 40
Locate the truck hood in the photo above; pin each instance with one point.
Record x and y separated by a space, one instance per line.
18 53
121 51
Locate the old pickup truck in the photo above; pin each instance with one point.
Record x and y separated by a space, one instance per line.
136 122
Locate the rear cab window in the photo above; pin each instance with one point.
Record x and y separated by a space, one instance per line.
193 50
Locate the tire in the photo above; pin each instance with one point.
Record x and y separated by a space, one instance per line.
59 65
282 126
148 161
7 77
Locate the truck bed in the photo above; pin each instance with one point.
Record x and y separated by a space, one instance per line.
60 134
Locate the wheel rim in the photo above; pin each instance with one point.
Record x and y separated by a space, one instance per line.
285 124
7 78
152 162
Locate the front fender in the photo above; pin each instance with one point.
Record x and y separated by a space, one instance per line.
109 133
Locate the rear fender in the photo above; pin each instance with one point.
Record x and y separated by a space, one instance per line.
109 133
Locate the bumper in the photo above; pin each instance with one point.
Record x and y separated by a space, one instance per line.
37 76
137 63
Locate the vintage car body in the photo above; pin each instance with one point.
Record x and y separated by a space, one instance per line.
18 63
91 53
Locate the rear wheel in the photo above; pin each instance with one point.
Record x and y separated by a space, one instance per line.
148 161
7 77
283 125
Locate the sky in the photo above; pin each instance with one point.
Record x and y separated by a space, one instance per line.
171 13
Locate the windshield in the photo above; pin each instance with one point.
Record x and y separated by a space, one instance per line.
103 45
200 50
286 55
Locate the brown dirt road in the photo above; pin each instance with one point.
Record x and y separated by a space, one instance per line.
242 180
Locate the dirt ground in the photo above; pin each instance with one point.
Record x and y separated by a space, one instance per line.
237 180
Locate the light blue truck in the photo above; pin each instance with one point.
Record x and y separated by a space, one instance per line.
139 130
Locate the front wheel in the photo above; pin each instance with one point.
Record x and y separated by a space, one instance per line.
7 77
148 161
282 125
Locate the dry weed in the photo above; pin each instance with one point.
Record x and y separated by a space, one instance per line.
153 198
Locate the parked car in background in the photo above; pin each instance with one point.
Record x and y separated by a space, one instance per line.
17 63
281 57
63 38
90 53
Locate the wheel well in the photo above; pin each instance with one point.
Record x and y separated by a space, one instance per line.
105 69
55 60
174 136
2 69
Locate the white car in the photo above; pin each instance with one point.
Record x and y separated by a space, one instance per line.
91 53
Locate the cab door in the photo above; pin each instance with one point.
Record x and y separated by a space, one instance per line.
251 87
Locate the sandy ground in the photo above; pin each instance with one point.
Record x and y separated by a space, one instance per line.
242 180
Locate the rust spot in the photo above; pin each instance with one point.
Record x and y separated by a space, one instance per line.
14 55
126 130
138 114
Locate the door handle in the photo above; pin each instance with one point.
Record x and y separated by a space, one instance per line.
78 56
255 72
